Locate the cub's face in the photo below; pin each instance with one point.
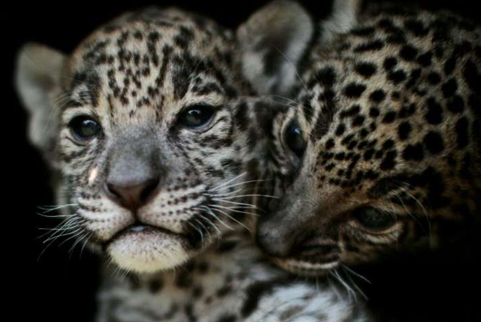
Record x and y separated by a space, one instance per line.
382 150
145 135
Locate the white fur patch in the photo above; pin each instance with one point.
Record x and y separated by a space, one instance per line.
148 251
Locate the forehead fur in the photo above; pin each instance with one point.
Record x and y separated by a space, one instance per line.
396 91
154 57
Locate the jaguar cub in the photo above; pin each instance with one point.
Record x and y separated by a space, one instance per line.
153 140
381 151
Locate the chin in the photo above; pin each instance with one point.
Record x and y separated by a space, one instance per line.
148 250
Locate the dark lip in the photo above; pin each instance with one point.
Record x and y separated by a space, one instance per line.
299 269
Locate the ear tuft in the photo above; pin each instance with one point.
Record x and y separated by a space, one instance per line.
37 81
273 41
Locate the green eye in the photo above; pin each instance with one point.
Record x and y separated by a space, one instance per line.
84 128
374 219
196 116
294 139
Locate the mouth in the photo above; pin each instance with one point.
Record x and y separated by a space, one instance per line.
311 259
307 267
141 230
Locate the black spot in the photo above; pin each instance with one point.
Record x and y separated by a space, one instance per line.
425 59
256 291
397 35
408 53
369 46
223 291
330 144
240 116
197 292
374 112
413 77
358 121
366 69
407 110
385 23
155 286
226 246
368 154
389 117
462 132
377 96
390 63
434 78
416 27
354 90
434 113
227 318
474 102
449 88
325 76
340 156
456 104
352 111
403 130
413 152
389 161
397 76
472 76
388 144
433 142
363 31
341 128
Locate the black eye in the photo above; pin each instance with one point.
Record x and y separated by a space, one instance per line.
374 219
196 116
84 127
294 139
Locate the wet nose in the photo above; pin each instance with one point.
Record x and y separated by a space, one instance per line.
132 194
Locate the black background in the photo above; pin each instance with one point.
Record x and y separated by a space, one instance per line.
58 286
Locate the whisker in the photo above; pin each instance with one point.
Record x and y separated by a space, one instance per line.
232 218
210 212
238 184
238 204
229 181
244 196
233 209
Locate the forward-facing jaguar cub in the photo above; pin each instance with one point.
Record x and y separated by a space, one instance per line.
150 132
382 151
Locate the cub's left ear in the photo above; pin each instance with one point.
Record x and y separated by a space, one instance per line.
275 39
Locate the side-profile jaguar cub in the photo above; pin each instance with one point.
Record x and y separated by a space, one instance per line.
154 142
381 151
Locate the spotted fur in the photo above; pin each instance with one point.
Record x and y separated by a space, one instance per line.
390 115
174 243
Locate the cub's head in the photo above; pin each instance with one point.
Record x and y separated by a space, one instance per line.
381 151
146 125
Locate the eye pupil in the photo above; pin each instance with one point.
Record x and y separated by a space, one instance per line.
196 116
84 128
374 219
294 139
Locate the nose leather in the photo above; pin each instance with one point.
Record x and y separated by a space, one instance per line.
132 195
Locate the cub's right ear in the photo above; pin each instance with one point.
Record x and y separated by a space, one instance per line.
37 80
